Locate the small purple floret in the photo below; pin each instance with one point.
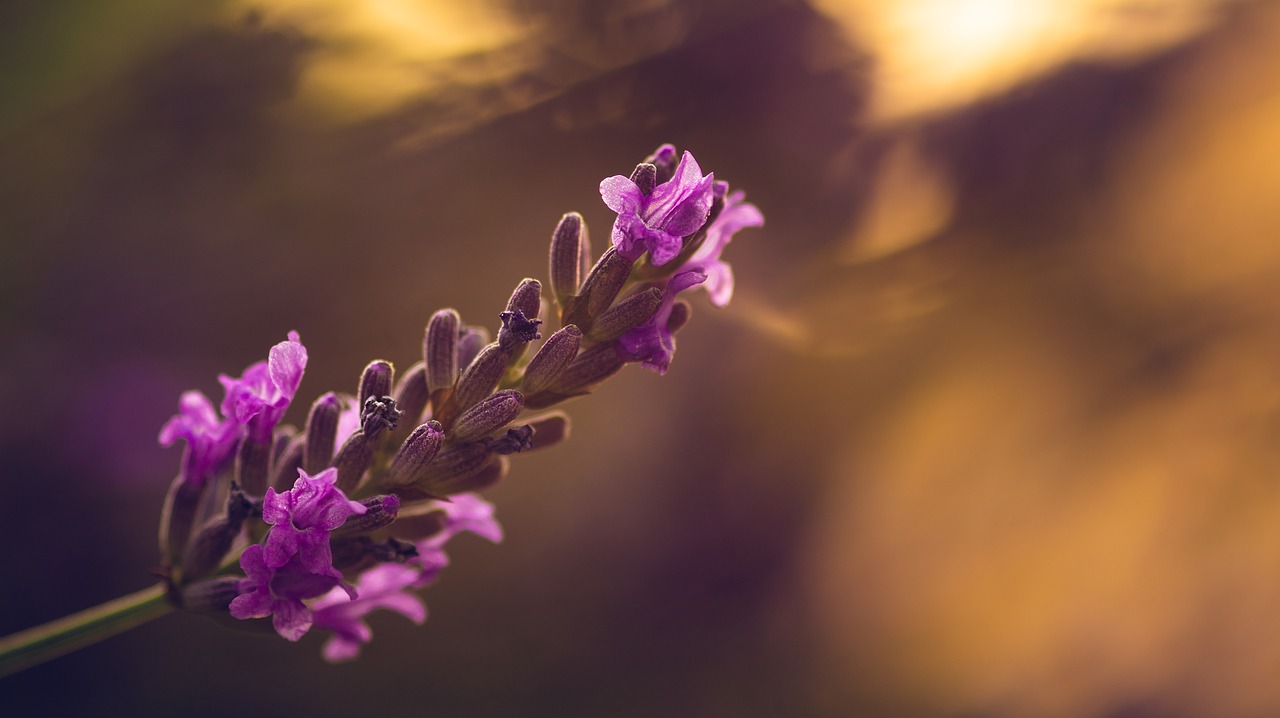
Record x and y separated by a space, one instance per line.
386 586
653 342
660 220
258 398
210 440
302 519
295 562
735 215
391 585
278 593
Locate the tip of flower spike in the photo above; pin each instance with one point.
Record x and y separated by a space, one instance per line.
377 414
517 329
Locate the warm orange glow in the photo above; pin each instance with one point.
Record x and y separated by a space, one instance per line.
375 55
930 55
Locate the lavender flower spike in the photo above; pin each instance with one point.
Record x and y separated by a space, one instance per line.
659 220
302 518
259 398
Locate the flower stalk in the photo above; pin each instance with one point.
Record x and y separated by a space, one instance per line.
79 630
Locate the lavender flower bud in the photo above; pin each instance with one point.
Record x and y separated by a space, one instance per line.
548 430
555 354
352 460
281 440
516 333
419 526
473 339
520 320
417 451
629 313
253 463
645 175
359 552
490 471
478 380
440 350
570 255
321 432
454 466
412 394
349 552
380 511
377 414
212 595
488 416
526 298
515 440
178 516
681 311
664 159
605 281
214 538
375 381
284 471
590 368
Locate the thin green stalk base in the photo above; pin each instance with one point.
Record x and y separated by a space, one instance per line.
56 638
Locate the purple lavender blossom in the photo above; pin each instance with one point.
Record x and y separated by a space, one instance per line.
660 220
391 585
463 512
296 561
259 398
302 518
278 592
735 215
653 342
210 440
348 419
383 586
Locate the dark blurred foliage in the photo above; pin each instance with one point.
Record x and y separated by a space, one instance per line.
988 429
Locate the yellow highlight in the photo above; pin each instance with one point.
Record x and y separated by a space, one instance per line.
372 56
933 55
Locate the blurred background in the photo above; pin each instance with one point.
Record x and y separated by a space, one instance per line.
991 428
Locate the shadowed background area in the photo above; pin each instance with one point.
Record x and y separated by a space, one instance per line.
990 428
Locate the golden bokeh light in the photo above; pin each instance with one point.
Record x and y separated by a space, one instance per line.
371 57
931 55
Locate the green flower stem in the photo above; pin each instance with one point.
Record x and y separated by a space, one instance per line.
56 638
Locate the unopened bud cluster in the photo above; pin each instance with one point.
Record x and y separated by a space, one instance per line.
266 520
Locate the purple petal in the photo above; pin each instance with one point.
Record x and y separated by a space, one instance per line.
275 507
282 544
294 581
286 363
719 283
663 246
291 619
689 212
254 604
469 512
348 419
383 586
621 195
339 648
195 418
